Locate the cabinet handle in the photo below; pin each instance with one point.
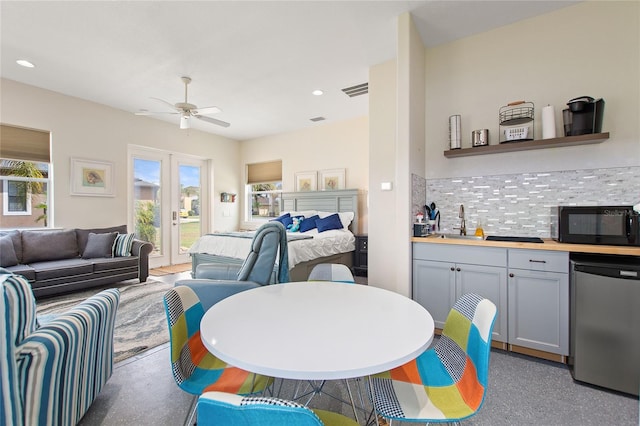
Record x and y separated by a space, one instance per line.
458 269
511 275
453 269
537 261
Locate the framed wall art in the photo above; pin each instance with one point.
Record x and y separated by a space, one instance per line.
92 178
306 181
331 179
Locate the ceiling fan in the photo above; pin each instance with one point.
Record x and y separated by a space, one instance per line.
187 110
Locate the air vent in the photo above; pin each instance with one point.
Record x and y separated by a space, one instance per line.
360 89
317 119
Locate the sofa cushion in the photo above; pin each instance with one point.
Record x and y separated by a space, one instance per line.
111 263
7 253
39 246
62 268
25 270
99 245
83 234
17 242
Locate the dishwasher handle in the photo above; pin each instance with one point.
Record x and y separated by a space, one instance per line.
613 272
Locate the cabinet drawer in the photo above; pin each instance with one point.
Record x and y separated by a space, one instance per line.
456 253
539 260
362 243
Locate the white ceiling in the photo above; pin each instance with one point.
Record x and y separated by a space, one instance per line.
256 60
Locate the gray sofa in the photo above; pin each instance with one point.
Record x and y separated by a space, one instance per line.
61 261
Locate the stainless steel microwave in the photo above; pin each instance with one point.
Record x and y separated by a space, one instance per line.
612 225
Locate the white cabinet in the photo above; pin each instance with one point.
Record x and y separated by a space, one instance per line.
443 273
539 300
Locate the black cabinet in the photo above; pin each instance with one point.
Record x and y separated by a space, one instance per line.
360 255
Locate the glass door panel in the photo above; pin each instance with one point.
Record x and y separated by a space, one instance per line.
147 202
189 223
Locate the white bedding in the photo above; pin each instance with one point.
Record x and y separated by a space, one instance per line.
322 244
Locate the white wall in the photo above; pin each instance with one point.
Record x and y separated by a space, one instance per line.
592 48
343 144
92 131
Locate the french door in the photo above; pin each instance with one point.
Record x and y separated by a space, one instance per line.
168 202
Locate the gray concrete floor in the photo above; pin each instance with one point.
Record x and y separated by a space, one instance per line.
521 391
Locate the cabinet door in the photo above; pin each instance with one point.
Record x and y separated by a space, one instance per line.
539 310
489 282
434 288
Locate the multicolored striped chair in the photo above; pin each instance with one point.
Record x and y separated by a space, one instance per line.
51 374
335 272
218 408
445 384
194 368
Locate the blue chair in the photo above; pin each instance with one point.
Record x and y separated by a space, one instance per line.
445 384
218 408
214 282
334 272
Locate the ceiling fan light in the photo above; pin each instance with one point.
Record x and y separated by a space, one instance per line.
184 122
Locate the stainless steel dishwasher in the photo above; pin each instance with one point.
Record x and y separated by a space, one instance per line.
605 321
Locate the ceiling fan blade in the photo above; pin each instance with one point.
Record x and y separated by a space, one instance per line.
212 120
208 110
165 102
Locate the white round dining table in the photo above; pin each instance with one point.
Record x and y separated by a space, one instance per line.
317 330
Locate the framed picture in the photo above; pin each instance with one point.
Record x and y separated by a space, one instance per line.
92 178
306 181
331 179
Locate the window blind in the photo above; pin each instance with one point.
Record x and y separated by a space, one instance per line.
19 143
270 171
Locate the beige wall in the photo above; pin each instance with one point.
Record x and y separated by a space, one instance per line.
344 144
92 131
592 48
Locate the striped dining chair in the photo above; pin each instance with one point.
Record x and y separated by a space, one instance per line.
194 368
447 383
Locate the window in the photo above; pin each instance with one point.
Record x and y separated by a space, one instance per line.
265 200
16 198
264 190
24 177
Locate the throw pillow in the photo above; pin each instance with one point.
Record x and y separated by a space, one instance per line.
99 245
328 223
285 219
7 253
122 245
309 223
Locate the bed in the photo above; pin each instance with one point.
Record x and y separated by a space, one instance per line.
305 249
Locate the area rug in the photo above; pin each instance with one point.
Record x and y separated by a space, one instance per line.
141 323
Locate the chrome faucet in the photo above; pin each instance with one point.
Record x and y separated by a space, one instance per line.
463 224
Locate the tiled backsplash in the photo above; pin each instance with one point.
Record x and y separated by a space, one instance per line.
519 204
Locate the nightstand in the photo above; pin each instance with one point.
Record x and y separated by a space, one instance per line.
360 255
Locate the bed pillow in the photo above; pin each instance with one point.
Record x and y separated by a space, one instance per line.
122 245
345 217
99 245
285 219
329 222
308 223
7 253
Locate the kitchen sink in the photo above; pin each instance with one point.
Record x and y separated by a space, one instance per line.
459 237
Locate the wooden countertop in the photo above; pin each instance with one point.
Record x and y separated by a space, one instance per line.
548 244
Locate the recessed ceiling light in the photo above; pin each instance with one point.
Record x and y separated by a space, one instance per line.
25 63
318 92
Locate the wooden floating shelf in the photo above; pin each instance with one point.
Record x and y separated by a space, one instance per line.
528 145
